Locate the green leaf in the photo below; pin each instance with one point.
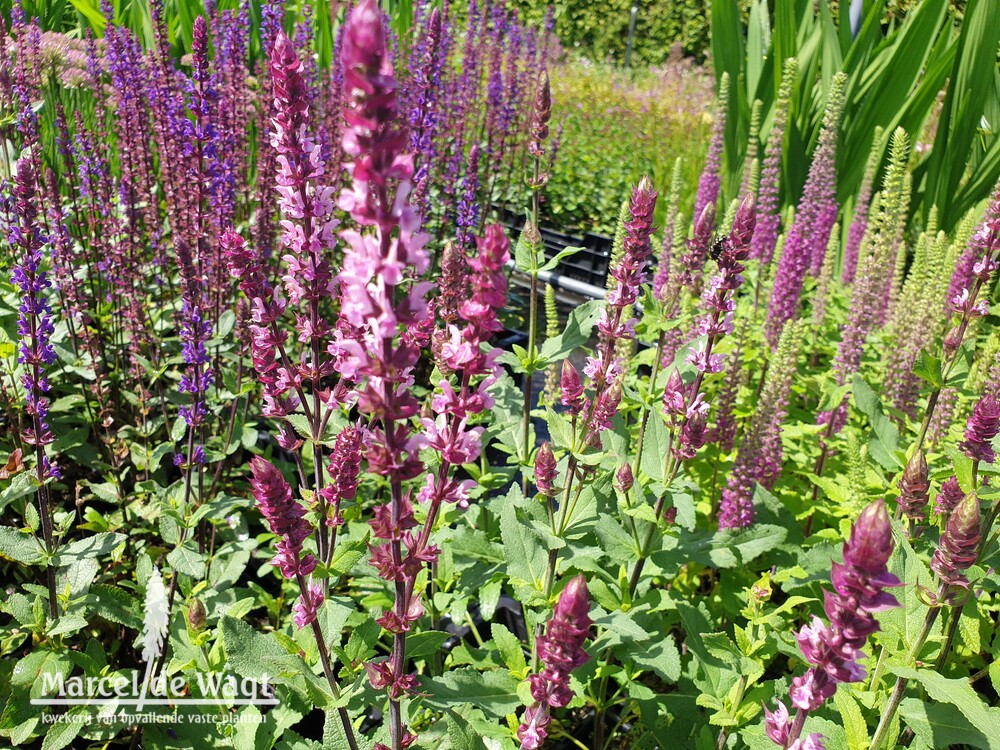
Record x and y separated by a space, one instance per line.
526 254
581 321
68 624
98 545
661 656
494 692
833 396
511 649
566 252
959 693
884 439
31 517
187 560
654 448
19 546
61 734
346 556
178 429
114 604
853 720
928 369
428 643
462 735
943 725
523 550
255 655
21 485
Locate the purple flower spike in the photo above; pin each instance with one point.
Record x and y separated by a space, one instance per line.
623 478
284 516
709 183
545 469
914 486
980 430
959 546
949 497
834 650
561 650
571 388
34 321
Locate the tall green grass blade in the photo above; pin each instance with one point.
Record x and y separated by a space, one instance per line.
964 106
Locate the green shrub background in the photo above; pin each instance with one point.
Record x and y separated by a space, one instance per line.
599 29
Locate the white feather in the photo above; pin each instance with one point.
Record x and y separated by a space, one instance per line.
157 619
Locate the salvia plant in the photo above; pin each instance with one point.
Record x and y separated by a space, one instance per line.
304 447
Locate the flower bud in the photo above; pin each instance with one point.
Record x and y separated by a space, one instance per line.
574 603
953 340
197 615
703 230
960 543
980 430
624 478
674 396
778 724
540 113
571 388
950 495
545 469
744 224
914 486
870 544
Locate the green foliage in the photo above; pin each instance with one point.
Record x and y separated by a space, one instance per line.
896 74
614 128
600 30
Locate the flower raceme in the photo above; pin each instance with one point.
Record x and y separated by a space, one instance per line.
959 545
286 518
834 649
561 651
685 405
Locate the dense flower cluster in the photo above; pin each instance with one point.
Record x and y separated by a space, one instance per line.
914 486
959 545
605 368
710 182
834 650
34 321
768 227
685 405
949 497
982 427
806 243
760 453
285 517
561 650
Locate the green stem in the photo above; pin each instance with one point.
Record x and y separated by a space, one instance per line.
741 687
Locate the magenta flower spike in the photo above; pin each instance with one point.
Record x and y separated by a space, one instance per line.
981 428
815 215
914 487
833 650
769 219
959 546
561 651
284 516
624 478
710 181
627 277
545 469
949 497
345 468
571 388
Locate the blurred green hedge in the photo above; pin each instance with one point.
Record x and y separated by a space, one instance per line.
599 29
